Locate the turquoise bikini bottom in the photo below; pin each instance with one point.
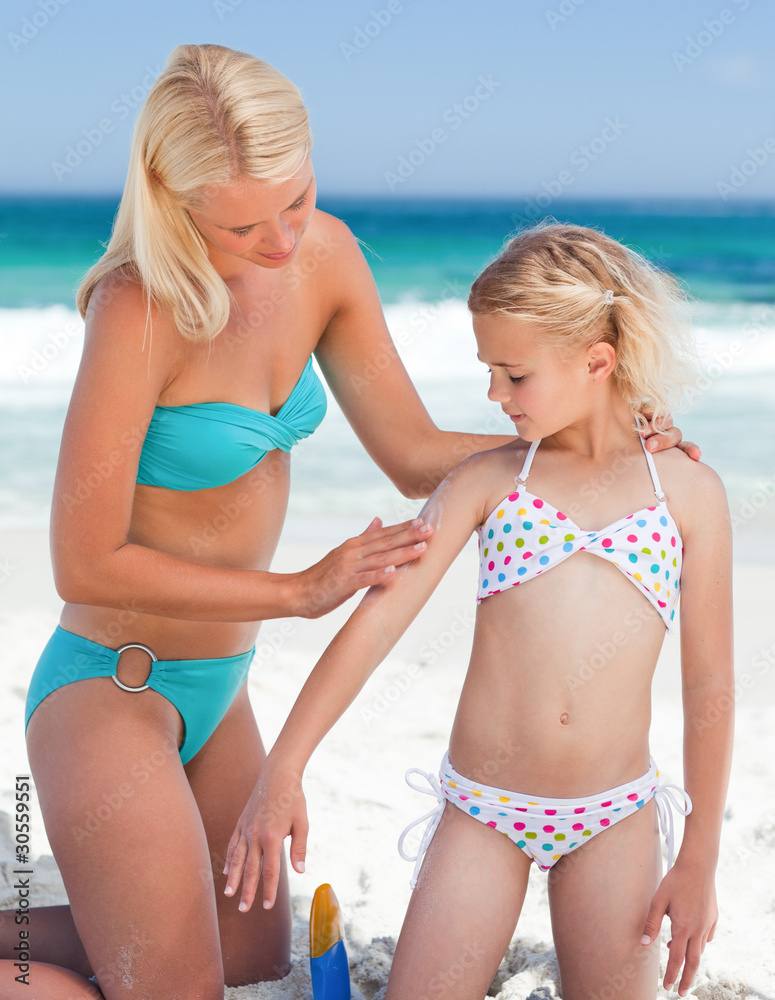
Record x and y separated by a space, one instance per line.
201 690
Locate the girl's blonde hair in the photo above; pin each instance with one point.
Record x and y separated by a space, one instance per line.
557 276
212 116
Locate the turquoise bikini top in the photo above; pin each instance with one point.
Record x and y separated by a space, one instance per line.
203 445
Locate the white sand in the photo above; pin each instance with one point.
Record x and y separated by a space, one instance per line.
358 802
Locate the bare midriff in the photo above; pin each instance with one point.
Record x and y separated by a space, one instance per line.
565 711
237 526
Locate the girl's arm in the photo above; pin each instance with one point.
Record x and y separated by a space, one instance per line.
368 379
123 371
687 893
276 807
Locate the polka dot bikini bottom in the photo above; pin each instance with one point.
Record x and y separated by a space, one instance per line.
545 829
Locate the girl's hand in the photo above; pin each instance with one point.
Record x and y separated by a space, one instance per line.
671 438
365 561
688 896
275 810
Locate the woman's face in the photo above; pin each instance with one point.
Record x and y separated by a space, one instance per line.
258 221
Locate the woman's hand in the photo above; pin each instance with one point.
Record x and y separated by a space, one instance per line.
365 561
671 438
275 810
688 896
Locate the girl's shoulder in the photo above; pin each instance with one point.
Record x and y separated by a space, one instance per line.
489 475
692 489
683 475
506 459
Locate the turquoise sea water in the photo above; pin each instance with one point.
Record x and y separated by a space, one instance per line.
422 248
424 254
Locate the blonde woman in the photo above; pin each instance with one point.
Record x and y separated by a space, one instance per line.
219 282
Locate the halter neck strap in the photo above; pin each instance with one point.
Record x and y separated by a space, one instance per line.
521 479
653 470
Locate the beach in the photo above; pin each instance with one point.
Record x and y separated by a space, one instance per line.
357 798
359 803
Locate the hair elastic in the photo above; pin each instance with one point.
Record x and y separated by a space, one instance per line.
608 297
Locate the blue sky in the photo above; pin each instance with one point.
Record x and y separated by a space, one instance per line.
602 97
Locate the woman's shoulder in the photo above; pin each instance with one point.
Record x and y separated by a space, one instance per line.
121 320
332 244
331 255
121 299
119 290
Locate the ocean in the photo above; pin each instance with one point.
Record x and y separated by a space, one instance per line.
424 255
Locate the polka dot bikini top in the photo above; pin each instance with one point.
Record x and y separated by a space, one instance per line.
525 535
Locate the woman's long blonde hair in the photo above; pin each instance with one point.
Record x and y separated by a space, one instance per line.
557 276
213 115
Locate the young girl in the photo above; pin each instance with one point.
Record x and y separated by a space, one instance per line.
577 587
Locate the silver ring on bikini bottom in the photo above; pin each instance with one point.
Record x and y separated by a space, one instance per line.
133 645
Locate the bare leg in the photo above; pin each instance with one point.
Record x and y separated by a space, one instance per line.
256 945
49 981
53 931
128 838
462 913
599 897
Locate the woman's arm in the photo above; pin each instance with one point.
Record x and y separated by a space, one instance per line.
371 385
687 892
276 807
368 379
122 373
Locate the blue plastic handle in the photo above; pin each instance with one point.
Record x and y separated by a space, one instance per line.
331 974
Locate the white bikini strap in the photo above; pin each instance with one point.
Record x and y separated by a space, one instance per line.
433 819
521 479
653 470
666 801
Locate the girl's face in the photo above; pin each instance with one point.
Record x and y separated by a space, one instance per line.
540 386
256 221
